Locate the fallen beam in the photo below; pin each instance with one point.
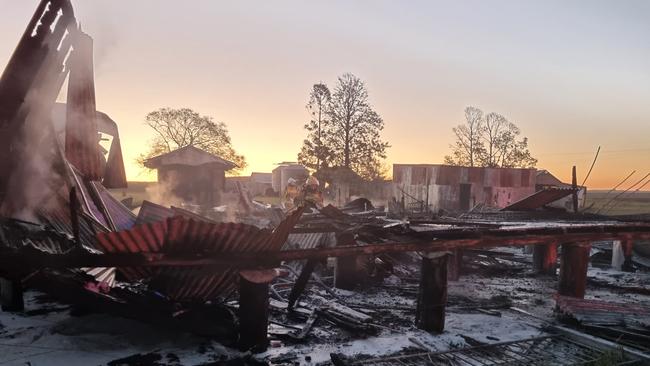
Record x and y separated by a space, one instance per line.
18 260
299 287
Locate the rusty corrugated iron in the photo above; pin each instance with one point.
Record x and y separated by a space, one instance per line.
81 134
180 235
540 198
601 312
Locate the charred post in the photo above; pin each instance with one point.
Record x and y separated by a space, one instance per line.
432 294
254 310
545 258
455 265
345 274
11 295
573 269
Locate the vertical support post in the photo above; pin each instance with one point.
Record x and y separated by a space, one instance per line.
345 273
628 246
574 185
455 265
11 295
573 269
432 294
254 309
545 258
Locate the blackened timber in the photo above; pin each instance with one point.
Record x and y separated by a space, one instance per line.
11 295
245 260
454 267
628 247
432 294
253 314
545 258
301 281
573 269
345 273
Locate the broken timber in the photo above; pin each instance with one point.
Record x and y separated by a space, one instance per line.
432 295
269 259
573 269
545 258
254 309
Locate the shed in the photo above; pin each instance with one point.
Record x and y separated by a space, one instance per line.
192 175
459 188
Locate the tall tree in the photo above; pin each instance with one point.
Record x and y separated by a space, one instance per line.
355 128
350 131
468 145
315 153
177 128
490 141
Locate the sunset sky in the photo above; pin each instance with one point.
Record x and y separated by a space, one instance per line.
573 75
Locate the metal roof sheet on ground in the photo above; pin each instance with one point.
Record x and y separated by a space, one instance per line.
180 235
539 199
603 312
152 212
310 240
121 216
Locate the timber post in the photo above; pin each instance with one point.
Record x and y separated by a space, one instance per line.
455 265
254 309
11 295
345 273
432 294
545 258
574 263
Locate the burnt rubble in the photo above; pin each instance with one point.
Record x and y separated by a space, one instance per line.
350 285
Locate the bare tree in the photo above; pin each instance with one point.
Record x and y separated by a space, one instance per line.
468 145
177 128
354 131
314 153
490 141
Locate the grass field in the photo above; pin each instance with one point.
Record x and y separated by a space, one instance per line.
617 202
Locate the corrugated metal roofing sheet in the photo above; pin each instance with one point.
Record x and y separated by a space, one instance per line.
121 216
183 235
151 212
539 199
310 240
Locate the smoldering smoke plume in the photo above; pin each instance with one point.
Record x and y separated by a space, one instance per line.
37 181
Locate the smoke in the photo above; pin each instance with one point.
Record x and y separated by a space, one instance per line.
37 181
163 194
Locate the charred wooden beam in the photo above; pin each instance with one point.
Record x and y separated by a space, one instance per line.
254 309
11 295
545 258
432 294
573 269
301 281
345 273
253 260
455 265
